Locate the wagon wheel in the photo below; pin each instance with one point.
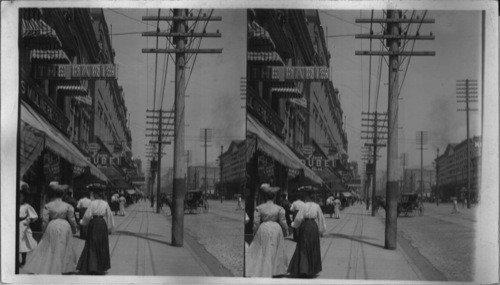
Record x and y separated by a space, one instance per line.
205 206
420 209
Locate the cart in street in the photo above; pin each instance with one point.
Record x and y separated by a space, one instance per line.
195 202
410 204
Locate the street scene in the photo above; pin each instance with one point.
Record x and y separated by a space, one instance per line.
364 142
271 145
129 120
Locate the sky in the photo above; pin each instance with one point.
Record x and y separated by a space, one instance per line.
213 91
427 99
428 94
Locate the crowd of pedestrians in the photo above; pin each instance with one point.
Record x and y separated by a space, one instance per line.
55 253
265 256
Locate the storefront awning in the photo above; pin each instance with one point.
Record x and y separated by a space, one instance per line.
259 37
36 33
274 147
54 140
52 56
286 92
71 89
265 57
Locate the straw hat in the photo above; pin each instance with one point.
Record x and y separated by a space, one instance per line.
268 189
54 185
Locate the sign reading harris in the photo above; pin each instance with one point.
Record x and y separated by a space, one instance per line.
289 73
75 71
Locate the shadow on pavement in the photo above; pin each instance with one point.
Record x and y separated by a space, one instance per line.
354 238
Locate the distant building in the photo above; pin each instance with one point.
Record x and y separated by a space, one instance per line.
452 169
233 169
411 181
196 177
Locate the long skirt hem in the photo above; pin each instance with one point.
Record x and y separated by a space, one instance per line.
306 260
95 255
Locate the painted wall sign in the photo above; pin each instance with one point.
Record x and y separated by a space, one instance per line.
34 95
289 73
75 71
103 160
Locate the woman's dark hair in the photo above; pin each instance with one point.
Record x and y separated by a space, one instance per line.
55 192
268 196
98 194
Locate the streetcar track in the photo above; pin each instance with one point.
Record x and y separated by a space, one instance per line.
128 217
137 252
343 222
351 250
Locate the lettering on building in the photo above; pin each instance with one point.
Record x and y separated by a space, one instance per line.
289 73
75 71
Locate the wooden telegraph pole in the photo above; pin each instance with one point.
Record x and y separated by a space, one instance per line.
205 136
375 135
161 131
467 89
179 35
393 35
422 138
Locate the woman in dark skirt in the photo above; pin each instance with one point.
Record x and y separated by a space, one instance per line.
310 222
95 258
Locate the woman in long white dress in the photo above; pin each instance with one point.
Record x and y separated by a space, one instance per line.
27 215
310 222
266 254
55 253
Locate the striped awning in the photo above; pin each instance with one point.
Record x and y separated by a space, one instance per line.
71 88
259 37
52 56
286 92
266 57
36 33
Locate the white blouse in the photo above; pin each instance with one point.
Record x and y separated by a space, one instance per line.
98 207
27 213
310 210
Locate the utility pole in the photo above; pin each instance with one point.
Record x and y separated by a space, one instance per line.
179 34
394 37
468 88
206 136
161 130
221 167
188 160
376 136
404 157
437 178
422 138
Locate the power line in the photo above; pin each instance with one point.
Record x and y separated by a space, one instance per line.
127 16
343 20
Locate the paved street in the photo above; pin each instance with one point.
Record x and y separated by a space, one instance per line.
220 232
446 240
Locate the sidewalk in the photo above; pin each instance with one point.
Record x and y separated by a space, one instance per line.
141 246
353 248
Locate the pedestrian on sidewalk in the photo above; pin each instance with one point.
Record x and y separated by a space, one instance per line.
115 203
330 205
286 205
295 208
82 206
95 258
27 215
336 205
455 206
266 254
122 205
55 254
306 260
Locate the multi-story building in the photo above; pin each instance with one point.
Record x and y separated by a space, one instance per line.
295 131
233 169
73 115
413 181
452 169
196 177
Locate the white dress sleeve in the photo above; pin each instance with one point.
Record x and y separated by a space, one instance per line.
110 219
321 220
